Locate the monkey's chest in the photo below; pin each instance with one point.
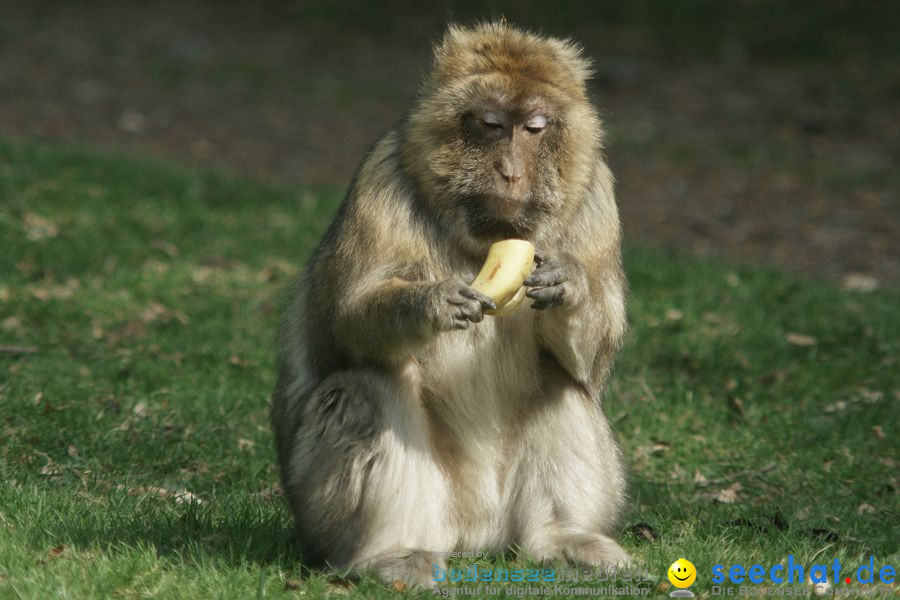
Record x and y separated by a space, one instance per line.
479 383
486 369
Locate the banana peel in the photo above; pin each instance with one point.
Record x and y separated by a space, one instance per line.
507 266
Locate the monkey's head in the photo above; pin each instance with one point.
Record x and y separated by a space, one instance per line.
502 140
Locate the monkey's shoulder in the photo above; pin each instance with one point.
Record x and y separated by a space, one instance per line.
378 222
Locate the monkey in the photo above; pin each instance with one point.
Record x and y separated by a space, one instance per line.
406 422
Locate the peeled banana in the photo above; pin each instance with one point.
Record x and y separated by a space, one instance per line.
508 264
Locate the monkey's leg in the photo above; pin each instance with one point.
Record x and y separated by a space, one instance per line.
570 482
366 493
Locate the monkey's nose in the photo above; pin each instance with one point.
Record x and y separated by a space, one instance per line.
510 169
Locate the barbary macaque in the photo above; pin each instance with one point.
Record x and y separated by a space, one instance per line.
407 422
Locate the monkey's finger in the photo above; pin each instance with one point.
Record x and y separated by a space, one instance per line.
485 301
544 304
472 311
546 276
547 297
471 304
459 323
539 258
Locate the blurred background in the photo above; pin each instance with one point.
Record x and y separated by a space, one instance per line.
758 131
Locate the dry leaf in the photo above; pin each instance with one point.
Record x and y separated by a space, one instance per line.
839 406
149 490
185 497
698 477
728 495
165 247
673 314
271 493
799 339
737 406
72 451
245 444
57 292
865 508
56 551
644 531
132 121
878 432
180 496
51 469
155 266
140 410
12 323
18 349
776 376
858 282
157 312
292 584
821 588
870 396
888 462
39 228
660 446
399 585
201 274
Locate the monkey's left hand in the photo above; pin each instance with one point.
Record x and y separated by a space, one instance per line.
558 280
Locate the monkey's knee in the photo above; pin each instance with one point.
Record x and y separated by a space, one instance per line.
337 429
335 446
342 412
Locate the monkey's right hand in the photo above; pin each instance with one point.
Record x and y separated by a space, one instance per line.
453 305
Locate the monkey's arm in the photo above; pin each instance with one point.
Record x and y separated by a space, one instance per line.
371 278
390 318
585 336
580 291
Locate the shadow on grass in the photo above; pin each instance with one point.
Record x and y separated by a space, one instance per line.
227 533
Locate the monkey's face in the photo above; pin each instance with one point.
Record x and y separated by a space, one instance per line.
502 142
503 146
495 168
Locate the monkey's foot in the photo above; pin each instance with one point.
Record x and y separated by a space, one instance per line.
593 549
413 567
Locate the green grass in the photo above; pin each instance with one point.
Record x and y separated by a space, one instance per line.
151 297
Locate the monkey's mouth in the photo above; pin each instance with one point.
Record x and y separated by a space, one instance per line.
502 205
498 217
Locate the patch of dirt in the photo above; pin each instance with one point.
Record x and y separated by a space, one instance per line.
787 164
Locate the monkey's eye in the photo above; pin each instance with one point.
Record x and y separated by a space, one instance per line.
536 124
491 121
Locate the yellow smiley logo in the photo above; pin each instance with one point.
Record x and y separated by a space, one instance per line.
682 573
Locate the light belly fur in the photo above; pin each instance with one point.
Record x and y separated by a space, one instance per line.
481 384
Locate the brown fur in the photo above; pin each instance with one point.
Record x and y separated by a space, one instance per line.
400 428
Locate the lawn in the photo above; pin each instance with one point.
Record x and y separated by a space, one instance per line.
138 310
